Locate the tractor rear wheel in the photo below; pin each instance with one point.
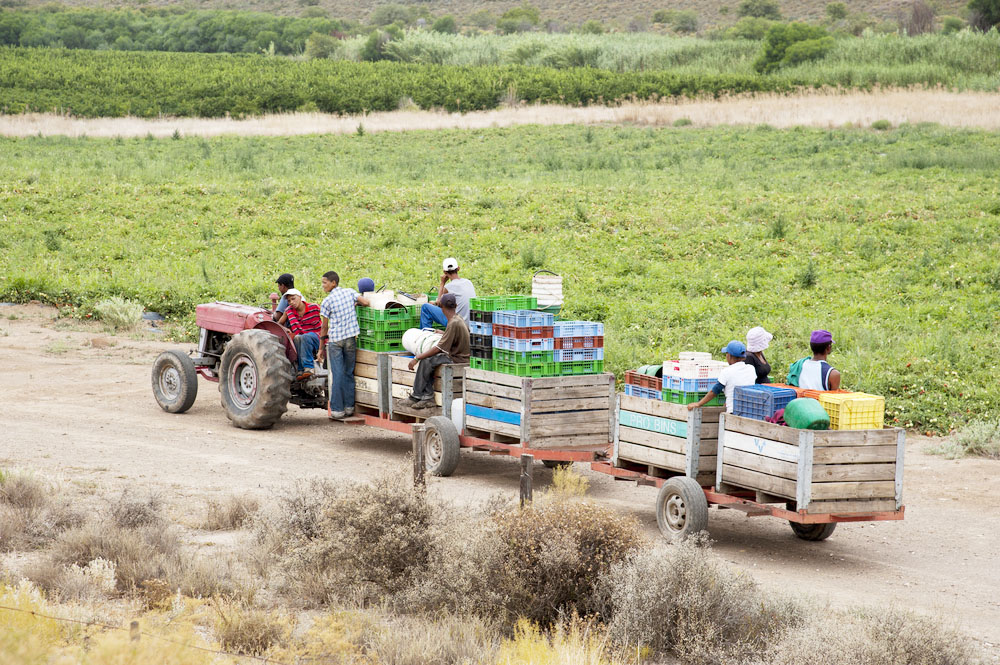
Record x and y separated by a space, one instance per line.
255 379
175 381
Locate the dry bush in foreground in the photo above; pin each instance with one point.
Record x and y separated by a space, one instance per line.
31 512
439 640
679 600
131 512
233 512
874 637
247 630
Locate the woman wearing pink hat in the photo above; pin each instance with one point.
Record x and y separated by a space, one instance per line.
759 339
817 373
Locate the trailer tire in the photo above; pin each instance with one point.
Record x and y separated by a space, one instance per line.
556 464
813 532
175 381
255 379
681 508
441 446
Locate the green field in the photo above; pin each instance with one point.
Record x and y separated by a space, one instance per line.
676 239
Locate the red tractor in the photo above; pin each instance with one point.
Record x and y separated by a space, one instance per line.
250 356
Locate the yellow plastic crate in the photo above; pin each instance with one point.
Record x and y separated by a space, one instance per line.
854 410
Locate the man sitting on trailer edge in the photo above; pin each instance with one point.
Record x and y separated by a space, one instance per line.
737 374
453 347
304 325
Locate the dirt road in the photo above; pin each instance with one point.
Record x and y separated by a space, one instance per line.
76 404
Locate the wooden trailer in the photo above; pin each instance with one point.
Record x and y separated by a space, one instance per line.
447 386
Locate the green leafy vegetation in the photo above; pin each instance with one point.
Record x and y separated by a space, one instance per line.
792 44
671 237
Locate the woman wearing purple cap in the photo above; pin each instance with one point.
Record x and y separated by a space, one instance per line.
817 374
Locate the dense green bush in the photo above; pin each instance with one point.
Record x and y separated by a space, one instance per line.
750 27
792 44
760 9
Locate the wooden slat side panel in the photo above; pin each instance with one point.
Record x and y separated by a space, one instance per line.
653 407
366 371
594 442
853 472
402 392
846 507
762 429
854 490
544 382
492 426
571 417
406 378
664 459
541 394
552 405
644 437
493 402
493 389
857 437
854 455
366 398
759 463
571 428
493 377
757 481
760 446
366 357
368 385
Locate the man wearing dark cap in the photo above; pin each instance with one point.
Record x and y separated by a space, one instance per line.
453 347
284 282
817 374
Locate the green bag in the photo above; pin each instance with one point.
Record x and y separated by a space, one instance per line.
794 371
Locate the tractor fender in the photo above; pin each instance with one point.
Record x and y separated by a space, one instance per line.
281 333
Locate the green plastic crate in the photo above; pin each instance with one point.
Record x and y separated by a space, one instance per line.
391 325
486 303
398 314
382 335
534 370
523 356
580 367
680 397
482 363
380 345
519 302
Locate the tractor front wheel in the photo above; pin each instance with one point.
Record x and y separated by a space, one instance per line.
255 379
175 381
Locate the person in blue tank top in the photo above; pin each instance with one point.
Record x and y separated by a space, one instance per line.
817 373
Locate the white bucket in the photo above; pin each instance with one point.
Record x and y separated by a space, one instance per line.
458 413
417 341
547 289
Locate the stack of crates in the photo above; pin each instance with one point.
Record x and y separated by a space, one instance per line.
647 386
690 378
579 347
481 325
760 401
382 329
523 343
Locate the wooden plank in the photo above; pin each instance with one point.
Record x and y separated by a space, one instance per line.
551 405
900 450
406 378
644 437
493 377
567 393
402 392
571 428
853 472
366 371
768 465
854 455
544 382
852 490
656 424
615 432
492 402
570 417
399 407
762 429
594 442
493 389
757 481
366 357
527 423
654 407
493 426
760 446
664 459
365 397
857 437
368 385
847 507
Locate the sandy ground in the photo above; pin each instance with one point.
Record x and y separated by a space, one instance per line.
823 108
77 405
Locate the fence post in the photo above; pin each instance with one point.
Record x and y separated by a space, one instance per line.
133 631
526 465
419 463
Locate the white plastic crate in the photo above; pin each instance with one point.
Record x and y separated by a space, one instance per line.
695 355
573 355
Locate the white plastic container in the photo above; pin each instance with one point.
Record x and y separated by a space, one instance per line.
547 289
417 341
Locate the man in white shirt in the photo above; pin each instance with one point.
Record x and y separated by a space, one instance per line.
737 374
450 283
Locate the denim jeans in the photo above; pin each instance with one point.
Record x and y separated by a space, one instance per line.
423 382
431 314
342 354
306 346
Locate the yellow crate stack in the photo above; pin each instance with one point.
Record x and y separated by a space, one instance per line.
854 410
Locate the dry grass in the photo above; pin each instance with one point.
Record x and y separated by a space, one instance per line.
247 630
232 512
825 108
31 511
446 638
131 512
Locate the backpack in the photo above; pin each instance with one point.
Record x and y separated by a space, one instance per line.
794 371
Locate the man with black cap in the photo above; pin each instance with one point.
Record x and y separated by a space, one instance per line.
284 282
453 347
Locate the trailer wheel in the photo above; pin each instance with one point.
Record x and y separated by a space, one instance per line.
556 464
813 531
175 381
441 446
681 508
255 379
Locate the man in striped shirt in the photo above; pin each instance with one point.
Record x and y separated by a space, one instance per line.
305 325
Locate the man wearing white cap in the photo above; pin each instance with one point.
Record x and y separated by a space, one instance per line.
450 283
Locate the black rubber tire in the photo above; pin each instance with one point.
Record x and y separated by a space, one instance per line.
441 447
813 531
175 381
681 508
555 464
255 379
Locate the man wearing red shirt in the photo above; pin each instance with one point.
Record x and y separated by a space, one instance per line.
304 325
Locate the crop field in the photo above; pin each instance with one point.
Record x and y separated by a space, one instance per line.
677 239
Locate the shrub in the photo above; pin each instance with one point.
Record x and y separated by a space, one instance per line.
384 15
810 42
526 12
129 512
681 600
749 27
881 125
985 14
319 45
682 122
951 24
685 21
917 18
808 276
247 630
759 9
663 16
482 19
30 513
446 25
836 11
592 27
119 313
532 255
980 437
445 638
233 512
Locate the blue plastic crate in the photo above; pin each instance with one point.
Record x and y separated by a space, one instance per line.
688 385
578 329
480 328
571 355
639 391
511 344
522 318
760 401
